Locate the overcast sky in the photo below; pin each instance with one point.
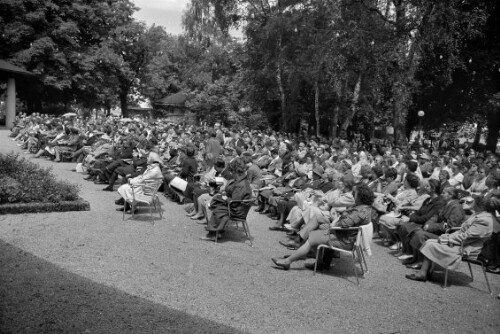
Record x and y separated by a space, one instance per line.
166 13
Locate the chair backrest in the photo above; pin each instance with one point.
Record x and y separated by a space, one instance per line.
150 187
246 204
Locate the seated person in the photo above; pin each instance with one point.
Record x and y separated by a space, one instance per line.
236 189
417 219
451 215
446 251
209 187
127 170
319 213
358 215
153 171
390 221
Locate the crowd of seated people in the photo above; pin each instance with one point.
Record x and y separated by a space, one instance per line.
413 195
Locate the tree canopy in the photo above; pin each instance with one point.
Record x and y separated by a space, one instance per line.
328 67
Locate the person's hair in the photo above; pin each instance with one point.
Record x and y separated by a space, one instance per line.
219 163
364 194
445 172
452 191
190 151
413 180
348 182
412 166
365 171
378 171
434 184
391 173
237 166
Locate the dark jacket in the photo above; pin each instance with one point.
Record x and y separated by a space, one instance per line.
452 214
189 169
429 208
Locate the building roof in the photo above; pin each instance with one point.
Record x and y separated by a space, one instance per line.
8 68
178 99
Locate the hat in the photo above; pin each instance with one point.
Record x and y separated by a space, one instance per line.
425 156
318 170
348 162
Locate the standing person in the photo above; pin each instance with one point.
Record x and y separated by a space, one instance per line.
213 149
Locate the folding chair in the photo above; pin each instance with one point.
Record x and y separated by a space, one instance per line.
469 261
148 195
356 253
247 203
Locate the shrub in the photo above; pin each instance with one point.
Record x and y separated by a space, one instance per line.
24 181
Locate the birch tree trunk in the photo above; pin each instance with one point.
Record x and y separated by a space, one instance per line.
354 104
316 105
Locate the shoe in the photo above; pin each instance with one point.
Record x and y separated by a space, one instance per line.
259 210
405 257
108 188
291 244
320 266
415 277
409 261
203 222
208 237
120 209
493 270
275 217
398 254
196 217
130 211
280 265
289 227
276 228
100 182
291 233
396 246
89 178
415 266
120 201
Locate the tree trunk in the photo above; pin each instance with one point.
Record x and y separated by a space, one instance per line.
399 94
279 79
316 105
354 104
477 137
335 121
493 127
124 104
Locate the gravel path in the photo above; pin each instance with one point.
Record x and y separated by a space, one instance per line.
92 272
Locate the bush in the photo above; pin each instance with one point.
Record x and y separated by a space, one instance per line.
22 181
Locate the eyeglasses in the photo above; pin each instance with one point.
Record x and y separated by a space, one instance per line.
468 202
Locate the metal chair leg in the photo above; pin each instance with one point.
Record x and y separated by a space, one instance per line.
486 277
445 279
354 267
320 249
471 274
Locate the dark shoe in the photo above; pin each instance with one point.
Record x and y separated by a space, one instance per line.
280 265
120 201
130 211
276 228
209 237
291 244
320 266
493 270
415 266
120 209
89 178
259 209
415 277
409 261
291 233
108 188
100 182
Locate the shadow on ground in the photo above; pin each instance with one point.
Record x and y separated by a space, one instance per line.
36 296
